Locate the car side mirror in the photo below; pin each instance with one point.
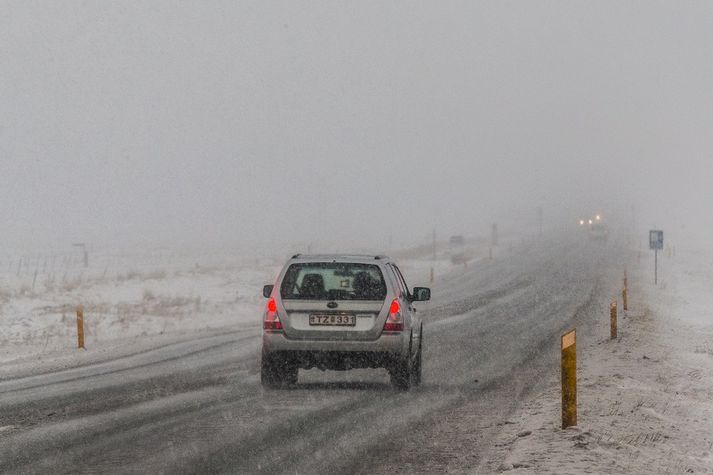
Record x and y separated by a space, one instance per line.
267 291
421 294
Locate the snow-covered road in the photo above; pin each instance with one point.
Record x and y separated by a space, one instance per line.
196 405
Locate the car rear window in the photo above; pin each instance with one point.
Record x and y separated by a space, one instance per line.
333 281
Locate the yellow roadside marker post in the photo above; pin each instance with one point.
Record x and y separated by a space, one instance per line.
80 327
569 379
612 319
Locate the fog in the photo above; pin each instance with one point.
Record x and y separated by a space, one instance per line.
242 123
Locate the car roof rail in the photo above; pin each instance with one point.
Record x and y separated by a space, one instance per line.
341 256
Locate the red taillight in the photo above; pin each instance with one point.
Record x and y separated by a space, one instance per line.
394 322
272 320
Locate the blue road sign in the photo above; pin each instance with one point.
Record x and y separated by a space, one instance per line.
655 240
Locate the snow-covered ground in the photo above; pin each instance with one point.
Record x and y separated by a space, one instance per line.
137 299
645 399
125 296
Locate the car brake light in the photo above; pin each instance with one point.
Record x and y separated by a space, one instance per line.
394 322
272 320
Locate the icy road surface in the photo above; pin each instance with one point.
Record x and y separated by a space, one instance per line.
197 405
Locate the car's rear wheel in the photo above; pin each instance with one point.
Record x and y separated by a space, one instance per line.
400 373
276 373
417 364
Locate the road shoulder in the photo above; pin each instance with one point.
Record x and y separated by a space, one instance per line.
644 399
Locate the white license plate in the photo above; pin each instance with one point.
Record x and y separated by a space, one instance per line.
333 320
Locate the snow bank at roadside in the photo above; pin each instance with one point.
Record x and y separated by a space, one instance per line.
645 400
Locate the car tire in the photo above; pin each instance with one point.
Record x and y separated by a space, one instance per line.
401 372
269 374
417 366
290 375
277 374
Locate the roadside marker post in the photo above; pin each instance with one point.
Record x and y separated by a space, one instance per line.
80 327
656 244
85 253
625 298
612 320
569 379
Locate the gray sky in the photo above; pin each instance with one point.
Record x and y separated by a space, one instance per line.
245 122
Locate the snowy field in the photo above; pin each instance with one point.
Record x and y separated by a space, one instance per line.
646 399
124 295
133 300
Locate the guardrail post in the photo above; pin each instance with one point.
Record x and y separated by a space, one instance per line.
80 327
612 320
569 379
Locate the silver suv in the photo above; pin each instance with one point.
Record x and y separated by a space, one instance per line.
340 312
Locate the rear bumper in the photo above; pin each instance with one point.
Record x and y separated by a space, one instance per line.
389 347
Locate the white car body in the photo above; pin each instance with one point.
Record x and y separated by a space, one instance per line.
338 332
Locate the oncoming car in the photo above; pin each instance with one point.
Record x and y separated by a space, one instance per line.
596 228
598 231
338 312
